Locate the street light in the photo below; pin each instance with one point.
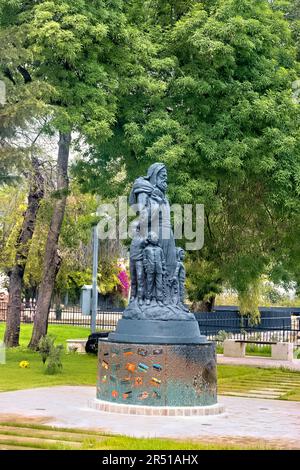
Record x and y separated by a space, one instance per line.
94 284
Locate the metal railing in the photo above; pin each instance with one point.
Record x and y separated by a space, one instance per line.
272 329
216 329
68 315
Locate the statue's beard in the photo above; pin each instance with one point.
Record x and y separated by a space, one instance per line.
162 187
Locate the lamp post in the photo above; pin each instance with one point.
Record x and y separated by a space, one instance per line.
94 284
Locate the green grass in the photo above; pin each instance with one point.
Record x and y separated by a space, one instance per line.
243 380
24 435
251 350
77 369
61 332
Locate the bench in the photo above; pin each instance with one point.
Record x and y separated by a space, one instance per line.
281 351
76 345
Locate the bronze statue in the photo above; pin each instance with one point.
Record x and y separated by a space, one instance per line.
179 278
154 265
153 262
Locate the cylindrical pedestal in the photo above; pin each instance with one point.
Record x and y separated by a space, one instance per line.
157 375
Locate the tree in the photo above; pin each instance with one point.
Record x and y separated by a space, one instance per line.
227 128
16 275
89 55
21 123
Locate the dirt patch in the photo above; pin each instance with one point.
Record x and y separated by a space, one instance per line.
15 418
243 441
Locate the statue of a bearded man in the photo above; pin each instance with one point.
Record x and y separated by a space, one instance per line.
148 198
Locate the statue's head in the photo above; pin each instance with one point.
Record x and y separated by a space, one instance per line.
180 254
157 175
152 238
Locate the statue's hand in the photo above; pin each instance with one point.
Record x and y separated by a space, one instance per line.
156 196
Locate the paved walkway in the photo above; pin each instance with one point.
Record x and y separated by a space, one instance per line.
256 361
246 419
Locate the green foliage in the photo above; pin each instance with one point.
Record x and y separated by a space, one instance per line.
45 347
226 125
203 280
54 364
249 301
222 335
204 86
51 354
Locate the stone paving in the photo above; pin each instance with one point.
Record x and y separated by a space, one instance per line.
257 361
254 419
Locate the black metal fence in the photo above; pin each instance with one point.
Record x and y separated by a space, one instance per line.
68 315
274 326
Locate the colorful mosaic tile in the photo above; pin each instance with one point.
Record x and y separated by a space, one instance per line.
138 381
142 352
126 380
184 375
142 367
130 366
155 381
157 351
143 396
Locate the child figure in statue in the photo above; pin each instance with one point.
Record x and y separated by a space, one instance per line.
136 265
155 266
179 278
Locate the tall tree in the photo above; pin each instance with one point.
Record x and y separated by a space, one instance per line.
89 55
228 129
52 259
21 120
16 275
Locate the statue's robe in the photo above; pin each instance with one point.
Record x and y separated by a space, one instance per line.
154 214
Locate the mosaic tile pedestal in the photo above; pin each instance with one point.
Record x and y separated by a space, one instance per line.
157 379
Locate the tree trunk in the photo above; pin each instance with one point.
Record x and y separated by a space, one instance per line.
208 305
36 194
204 305
52 260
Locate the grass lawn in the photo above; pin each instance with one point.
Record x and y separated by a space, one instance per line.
61 332
258 382
251 350
20 435
77 369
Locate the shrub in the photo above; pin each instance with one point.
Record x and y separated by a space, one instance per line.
45 346
54 364
51 354
222 335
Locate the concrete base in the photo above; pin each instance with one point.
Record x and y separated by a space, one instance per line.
109 407
157 332
76 345
283 351
234 349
